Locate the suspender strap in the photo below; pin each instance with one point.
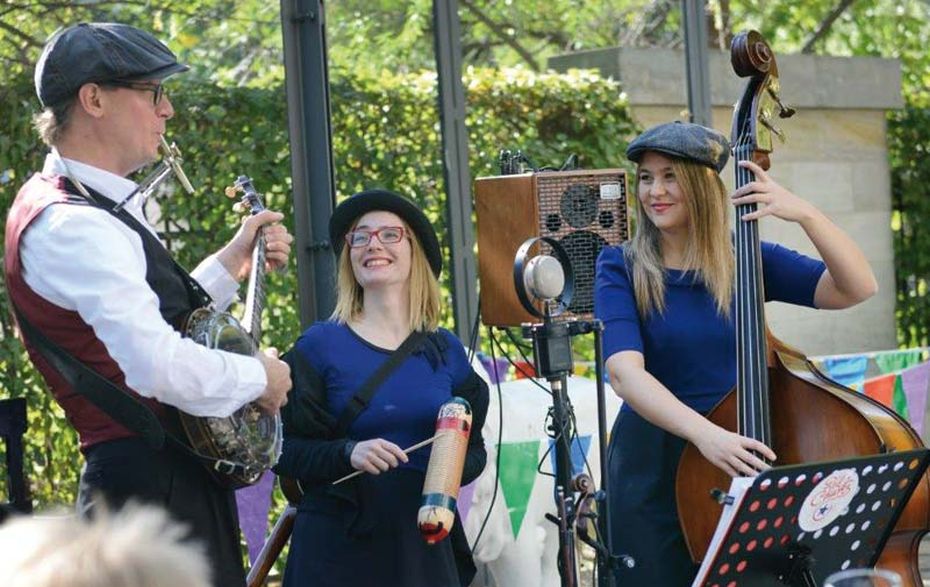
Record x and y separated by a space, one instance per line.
113 401
359 402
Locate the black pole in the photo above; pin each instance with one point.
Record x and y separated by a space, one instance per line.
696 61
605 570
461 242
303 26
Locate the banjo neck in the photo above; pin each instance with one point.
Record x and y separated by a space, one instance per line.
255 293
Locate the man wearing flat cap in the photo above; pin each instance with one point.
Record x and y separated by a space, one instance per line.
90 280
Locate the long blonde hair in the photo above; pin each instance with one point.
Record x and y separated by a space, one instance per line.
709 251
424 301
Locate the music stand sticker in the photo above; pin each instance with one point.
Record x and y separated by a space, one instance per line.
798 524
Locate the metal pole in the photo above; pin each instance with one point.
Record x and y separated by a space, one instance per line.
696 61
452 106
307 80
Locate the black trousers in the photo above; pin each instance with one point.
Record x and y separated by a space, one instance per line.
642 464
128 469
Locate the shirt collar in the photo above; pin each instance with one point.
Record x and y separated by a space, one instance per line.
108 184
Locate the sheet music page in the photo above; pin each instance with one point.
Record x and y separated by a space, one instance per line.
738 488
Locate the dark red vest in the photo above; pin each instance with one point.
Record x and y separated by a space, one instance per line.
66 328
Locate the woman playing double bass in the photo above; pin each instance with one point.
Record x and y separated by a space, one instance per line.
667 302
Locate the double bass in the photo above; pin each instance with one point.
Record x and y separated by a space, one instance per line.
781 399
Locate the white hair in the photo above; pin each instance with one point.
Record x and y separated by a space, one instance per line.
139 546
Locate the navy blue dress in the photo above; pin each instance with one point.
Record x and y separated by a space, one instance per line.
690 349
364 532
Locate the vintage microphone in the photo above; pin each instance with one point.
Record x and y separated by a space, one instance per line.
444 472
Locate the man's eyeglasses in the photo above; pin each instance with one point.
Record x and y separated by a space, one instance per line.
388 235
157 89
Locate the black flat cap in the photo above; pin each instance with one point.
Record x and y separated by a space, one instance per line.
350 209
684 140
99 52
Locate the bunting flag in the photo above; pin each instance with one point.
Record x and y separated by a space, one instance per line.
899 400
253 503
915 382
881 389
899 361
517 476
850 371
463 502
579 453
497 370
522 370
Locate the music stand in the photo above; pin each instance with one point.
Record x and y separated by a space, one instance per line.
796 525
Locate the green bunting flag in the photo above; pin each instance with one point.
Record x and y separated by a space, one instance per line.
517 476
894 362
899 399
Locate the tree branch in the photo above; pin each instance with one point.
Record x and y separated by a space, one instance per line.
502 34
824 27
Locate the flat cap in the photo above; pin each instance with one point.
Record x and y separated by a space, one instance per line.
353 207
98 52
684 140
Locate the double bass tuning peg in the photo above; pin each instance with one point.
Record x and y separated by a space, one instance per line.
784 111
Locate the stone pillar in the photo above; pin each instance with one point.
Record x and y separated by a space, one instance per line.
835 156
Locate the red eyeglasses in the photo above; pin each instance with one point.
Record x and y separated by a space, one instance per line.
388 235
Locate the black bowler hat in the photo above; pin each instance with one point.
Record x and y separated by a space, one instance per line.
684 140
98 52
350 209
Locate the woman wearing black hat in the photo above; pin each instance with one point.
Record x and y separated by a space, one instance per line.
666 299
363 532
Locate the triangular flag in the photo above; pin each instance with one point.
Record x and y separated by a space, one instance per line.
915 381
899 400
517 475
898 361
849 371
579 453
881 389
253 503
463 503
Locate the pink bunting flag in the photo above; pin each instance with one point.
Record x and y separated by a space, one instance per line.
915 381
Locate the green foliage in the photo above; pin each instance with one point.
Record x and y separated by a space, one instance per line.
909 145
385 133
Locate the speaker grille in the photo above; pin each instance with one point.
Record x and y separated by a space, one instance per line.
584 211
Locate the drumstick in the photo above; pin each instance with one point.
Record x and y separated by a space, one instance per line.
407 450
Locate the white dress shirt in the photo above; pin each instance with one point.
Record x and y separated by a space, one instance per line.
83 259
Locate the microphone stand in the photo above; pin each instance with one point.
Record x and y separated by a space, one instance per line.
552 350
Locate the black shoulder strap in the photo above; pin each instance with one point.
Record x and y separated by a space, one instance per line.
359 402
113 401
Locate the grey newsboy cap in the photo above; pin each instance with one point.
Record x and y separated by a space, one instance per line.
99 52
685 140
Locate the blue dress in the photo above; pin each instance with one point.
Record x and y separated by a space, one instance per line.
364 532
690 349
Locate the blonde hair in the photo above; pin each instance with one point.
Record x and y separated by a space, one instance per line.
136 547
53 122
424 301
710 248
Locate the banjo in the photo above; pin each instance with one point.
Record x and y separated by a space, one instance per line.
236 449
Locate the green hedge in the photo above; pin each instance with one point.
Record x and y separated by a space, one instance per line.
385 132
909 144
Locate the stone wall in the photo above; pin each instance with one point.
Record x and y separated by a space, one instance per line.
835 156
